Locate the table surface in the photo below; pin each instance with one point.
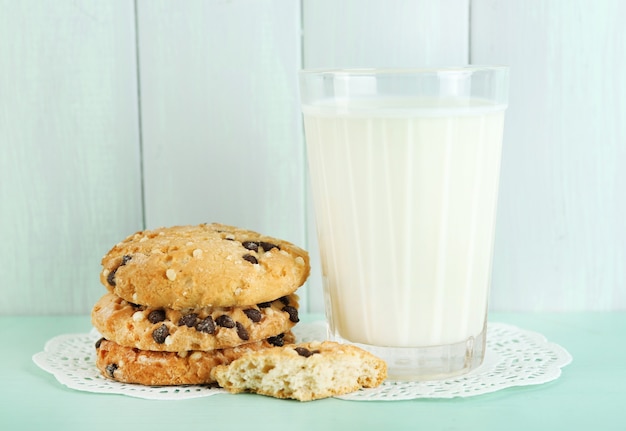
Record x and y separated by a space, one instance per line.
590 394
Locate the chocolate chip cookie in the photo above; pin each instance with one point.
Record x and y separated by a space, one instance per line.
209 265
131 365
199 328
304 372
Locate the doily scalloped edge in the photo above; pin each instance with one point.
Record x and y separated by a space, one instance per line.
515 357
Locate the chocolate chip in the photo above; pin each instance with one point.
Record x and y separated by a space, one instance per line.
110 369
278 340
264 304
250 258
241 331
156 316
111 276
251 245
188 320
160 334
293 313
267 246
225 322
206 325
302 351
284 300
253 314
99 342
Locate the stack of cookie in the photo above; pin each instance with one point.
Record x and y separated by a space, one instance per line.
216 304
186 299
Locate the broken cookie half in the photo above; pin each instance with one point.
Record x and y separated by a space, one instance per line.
305 371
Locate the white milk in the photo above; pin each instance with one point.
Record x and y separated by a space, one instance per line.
405 202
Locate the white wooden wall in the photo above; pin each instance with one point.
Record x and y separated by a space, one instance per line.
120 115
561 237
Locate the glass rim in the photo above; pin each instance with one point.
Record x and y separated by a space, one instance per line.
402 71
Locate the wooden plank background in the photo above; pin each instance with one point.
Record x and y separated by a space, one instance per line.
561 236
221 136
70 183
124 114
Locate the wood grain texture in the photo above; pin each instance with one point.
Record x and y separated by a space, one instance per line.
69 149
561 236
222 133
378 33
385 33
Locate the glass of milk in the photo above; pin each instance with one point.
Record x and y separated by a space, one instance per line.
404 168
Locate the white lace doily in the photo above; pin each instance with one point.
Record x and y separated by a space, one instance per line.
514 357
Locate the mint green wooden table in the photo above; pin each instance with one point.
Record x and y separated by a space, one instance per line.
589 395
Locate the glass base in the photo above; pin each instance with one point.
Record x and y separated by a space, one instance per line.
429 363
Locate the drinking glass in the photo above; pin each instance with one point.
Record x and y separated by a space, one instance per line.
404 168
